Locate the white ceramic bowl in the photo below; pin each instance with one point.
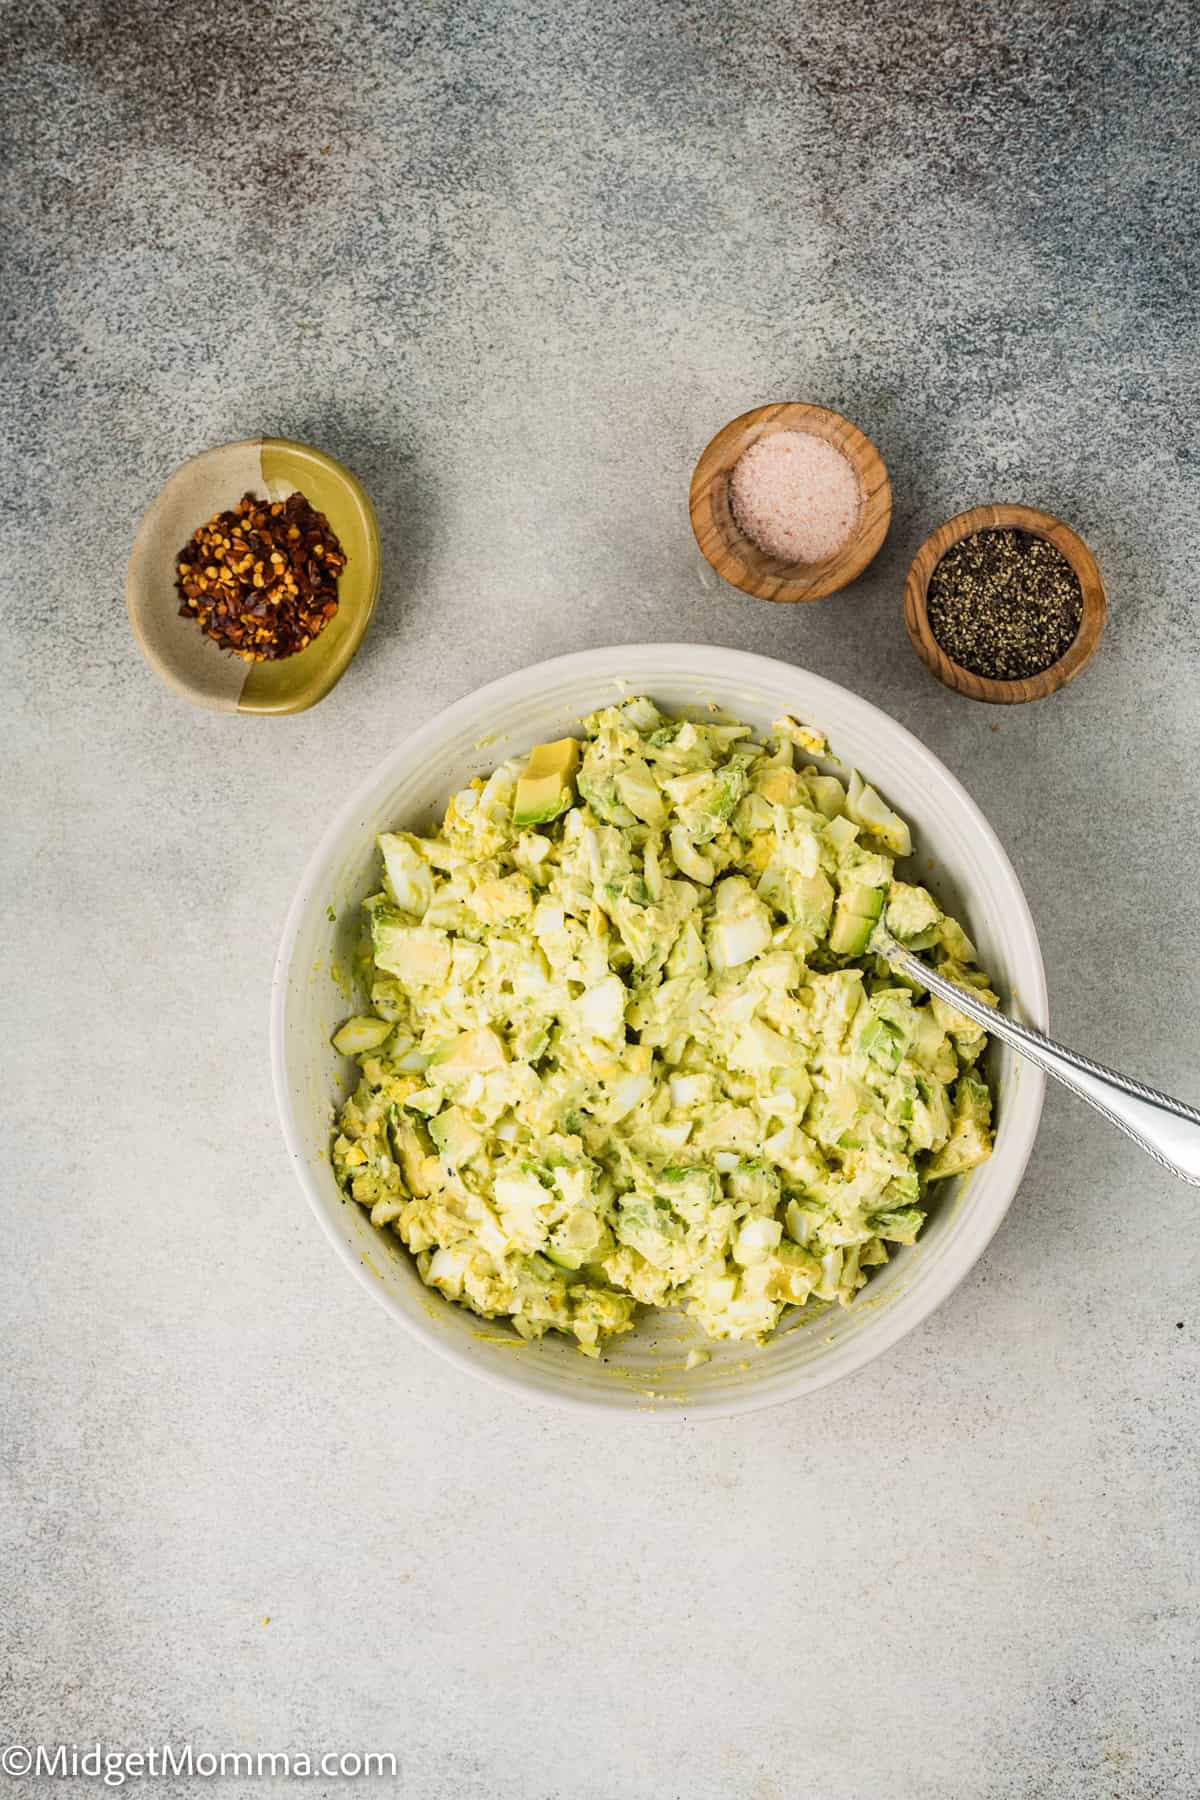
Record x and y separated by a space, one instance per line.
956 852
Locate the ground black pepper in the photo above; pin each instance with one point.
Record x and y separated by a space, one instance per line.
1004 604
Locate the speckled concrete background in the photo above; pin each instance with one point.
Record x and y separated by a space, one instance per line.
515 263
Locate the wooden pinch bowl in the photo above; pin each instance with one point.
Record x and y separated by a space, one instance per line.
1005 518
736 557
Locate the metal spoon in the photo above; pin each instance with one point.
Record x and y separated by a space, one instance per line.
1166 1129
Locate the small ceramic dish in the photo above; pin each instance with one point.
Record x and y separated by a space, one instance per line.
736 557
1005 518
176 648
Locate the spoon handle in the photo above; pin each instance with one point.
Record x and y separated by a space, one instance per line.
1165 1128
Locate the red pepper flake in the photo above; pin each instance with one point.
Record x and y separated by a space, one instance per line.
261 580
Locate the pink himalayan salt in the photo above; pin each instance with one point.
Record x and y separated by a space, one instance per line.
796 495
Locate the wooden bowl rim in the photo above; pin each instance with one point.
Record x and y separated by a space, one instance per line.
735 557
1001 517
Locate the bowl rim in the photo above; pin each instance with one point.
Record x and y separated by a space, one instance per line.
1005 516
895 1323
735 556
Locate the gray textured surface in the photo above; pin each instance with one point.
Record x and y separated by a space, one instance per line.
515 263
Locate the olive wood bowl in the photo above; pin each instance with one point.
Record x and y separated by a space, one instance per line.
736 557
981 687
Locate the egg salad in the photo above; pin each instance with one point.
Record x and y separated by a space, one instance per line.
627 1043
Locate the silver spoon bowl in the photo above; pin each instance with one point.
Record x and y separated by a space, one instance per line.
1165 1128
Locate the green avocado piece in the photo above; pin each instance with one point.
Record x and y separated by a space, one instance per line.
855 918
851 933
911 911
883 1042
812 901
969 1144
829 796
569 1260
454 1136
864 902
545 789
970 1140
972 1099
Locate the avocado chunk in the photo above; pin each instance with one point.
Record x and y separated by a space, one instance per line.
969 1145
912 912
970 1140
864 902
855 918
851 934
546 788
829 796
812 901
455 1136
